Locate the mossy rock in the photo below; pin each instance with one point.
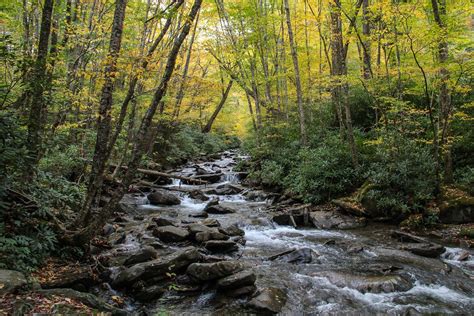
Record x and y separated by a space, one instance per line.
456 207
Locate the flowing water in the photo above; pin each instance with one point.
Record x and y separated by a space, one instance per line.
352 272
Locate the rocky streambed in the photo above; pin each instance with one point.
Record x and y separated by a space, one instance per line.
226 248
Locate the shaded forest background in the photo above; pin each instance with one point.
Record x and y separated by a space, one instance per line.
367 100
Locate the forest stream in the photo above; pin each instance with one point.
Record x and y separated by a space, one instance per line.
295 270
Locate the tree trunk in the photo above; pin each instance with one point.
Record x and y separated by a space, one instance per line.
104 116
299 93
208 126
340 89
180 94
367 68
439 12
37 88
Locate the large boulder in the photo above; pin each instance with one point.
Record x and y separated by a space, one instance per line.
195 228
232 230
335 220
157 268
269 300
227 189
218 209
11 281
456 207
430 250
221 246
162 197
171 233
198 195
369 283
237 280
163 221
210 235
144 254
212 271
303 255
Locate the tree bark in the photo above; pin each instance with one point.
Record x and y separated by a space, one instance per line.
182 85
104 116
439 12
367 68
208 126
339 91
37 87
299 92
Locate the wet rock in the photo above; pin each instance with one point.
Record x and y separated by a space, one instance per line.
201 214
281 219
237 280
157 245
243 291
227 189
221 246
198 195
171 233
331 220
146 253
211 222
212 271
157 268
210 235
232 230
150 293
162 221
218 209
239 239
464 256
355 248
163 198
198 228
429 250
138 217
369 283
108 230
269 300
303 255
11 281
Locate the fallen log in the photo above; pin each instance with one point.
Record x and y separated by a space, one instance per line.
161 174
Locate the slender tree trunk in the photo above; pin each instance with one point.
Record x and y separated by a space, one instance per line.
339 72
104 116
439 12
37 88
208 126
367 58
299 93
180 94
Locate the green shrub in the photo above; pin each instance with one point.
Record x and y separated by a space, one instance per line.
403 176
324 172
